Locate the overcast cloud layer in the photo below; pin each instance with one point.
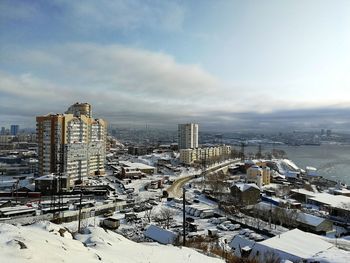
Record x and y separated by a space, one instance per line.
277 65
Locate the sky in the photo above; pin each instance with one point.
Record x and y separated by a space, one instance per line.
227 65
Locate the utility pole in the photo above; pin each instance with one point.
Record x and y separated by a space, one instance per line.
270 215
242 152
184 215
79 218
17 190
259 155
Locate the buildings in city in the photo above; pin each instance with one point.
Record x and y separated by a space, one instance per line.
245 194
188 136
72 144
259 175
14 130
190 156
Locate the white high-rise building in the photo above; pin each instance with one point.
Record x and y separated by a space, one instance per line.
188 136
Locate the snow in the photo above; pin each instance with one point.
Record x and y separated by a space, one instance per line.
310 219
245 187
238 242
291 164
296 244
325 198
152 159
332 200
331 255
160 235
135 165
43 242
287 167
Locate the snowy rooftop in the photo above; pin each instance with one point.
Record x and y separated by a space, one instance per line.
239 242
310 219
331 200
160 235
135 165
325 198
298 243
245 187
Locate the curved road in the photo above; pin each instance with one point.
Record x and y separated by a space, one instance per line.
175 190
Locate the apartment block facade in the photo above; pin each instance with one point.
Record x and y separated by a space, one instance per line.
188 136
72 144
189 156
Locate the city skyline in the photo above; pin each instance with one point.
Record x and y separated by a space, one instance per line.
228 64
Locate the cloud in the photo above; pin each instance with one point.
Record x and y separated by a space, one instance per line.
113 78
132 86
115 68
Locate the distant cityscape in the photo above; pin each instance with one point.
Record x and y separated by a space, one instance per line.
174 187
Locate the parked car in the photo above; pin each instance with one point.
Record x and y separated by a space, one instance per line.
222 227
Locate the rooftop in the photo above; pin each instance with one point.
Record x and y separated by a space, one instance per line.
298 243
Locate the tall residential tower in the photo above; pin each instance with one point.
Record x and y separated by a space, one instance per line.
72 144
188 136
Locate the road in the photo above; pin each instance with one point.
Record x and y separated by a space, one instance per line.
175 190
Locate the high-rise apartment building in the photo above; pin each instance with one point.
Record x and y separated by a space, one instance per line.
72 144
188 136
14 130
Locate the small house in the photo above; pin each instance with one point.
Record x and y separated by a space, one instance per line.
245 194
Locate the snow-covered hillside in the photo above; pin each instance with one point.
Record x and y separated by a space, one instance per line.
47 242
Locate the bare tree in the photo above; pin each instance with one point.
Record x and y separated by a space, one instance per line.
164 217
148 215
167 214
216 182
285 216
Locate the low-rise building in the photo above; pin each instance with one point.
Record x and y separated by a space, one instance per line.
336 205
298 246
245 194
130 169
314 224
49 184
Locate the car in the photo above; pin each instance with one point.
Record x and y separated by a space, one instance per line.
152 202
222 227
147 206
231 227
245 231
237 226
227 222
258 237
248 232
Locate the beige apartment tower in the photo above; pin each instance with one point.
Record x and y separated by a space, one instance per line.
188 136
72 144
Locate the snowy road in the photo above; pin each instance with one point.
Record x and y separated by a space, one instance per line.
175 190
